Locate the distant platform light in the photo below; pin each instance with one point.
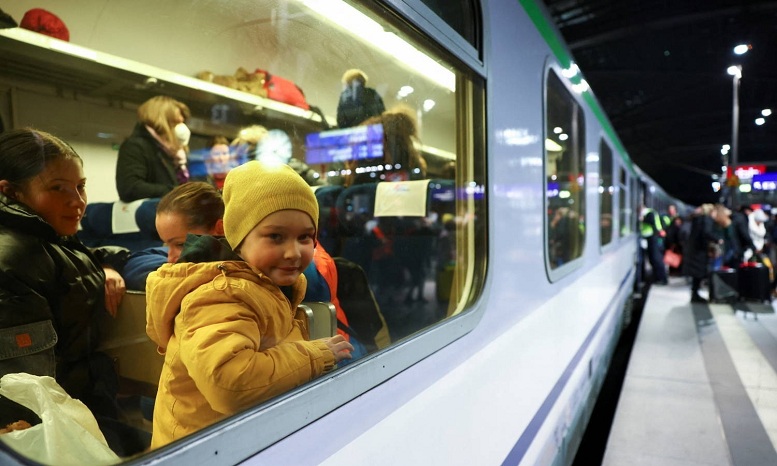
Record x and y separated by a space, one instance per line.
742 49
766 112
759 121
558 130
735 70
563 137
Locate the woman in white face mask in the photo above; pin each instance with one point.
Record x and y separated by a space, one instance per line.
152 161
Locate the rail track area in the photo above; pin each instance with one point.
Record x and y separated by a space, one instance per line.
700 386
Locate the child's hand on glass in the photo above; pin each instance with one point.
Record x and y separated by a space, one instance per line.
339 346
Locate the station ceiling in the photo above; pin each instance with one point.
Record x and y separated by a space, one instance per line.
658 68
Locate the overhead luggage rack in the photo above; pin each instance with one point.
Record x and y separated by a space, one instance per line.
37 58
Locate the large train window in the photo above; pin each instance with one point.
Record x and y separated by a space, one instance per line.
606 190
564 174
399 178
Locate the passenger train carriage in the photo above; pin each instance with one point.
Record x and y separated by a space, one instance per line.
503 355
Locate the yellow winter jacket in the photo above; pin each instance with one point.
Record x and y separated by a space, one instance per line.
230 341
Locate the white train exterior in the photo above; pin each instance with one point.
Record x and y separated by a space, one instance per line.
510 371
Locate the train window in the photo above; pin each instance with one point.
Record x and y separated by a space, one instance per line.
623 203
564 174
605 193
400 184
461 15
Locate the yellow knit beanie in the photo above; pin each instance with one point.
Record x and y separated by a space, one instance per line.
255 190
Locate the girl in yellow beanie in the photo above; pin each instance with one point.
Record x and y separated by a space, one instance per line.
227 328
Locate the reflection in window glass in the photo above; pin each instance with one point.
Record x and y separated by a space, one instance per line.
565 174
422 256
460 15
606 190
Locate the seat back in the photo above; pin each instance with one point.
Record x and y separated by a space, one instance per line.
321 318
124 339
328 223
131 225
396 233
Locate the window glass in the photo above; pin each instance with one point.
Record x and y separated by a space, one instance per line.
606 190
461 15
565 176
322 86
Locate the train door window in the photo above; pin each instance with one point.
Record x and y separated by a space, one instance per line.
606 191
239 66
623 203
564 174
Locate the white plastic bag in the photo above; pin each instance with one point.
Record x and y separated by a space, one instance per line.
68 433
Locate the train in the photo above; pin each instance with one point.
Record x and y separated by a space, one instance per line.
501 357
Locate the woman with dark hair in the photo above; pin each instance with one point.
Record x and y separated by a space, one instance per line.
52 287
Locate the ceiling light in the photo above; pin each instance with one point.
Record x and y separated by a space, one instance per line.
558 130
766 112
735 71
404 91
429 104
365 28
563 137
759 121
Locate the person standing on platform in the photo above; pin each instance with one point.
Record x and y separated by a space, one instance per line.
652 232
696 259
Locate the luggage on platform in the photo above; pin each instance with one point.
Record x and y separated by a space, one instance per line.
724 285
754 283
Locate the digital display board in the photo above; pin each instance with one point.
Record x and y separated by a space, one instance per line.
341 145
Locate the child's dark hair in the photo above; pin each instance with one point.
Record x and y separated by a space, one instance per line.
199 202
24 153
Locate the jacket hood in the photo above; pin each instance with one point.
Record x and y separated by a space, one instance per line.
167 287
18 216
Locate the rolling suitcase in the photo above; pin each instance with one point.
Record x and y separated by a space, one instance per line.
724 285
754 284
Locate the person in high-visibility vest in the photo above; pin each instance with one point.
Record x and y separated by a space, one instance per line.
652 231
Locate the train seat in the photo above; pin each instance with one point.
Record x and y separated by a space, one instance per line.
124 339
135 356
131 225
393 230
328 231
321 318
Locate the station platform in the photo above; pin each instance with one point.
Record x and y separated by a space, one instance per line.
701 384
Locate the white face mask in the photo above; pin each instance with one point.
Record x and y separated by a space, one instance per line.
183 133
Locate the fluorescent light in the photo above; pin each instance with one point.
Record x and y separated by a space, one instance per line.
361 26
552 146
429 104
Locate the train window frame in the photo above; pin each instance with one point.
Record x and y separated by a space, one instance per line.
606 161
554 71
424 17
242 435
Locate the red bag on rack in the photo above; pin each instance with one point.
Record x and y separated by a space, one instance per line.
283 90
45 22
